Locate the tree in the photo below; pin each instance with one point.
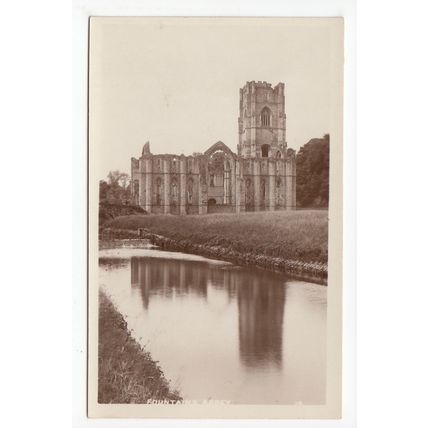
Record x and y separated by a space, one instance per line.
104 188
117 188
118 177
312 173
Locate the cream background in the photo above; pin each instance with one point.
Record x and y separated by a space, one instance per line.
175 81
98 96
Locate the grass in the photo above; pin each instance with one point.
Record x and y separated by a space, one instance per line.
301 235
126 373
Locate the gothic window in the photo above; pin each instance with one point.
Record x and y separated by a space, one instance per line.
265 117
278 154
278 192
265 150
136 191
227 185
248 192
263 188
202 171
174 191
135 163
158 191
212 184
159 164
190 191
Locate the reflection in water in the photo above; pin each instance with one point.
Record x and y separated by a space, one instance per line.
155 277
261 312
260 299
225 332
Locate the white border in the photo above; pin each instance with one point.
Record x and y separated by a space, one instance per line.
81 12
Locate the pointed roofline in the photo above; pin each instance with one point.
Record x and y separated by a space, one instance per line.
219 146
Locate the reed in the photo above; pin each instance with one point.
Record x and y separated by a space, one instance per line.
126 372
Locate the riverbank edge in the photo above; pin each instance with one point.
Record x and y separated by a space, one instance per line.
309 271
126 372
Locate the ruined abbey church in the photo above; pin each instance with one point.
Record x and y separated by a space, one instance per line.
261 176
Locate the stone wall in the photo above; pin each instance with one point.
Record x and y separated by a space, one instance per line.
260 177
218 181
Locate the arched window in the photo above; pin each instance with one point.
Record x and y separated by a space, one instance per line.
265 117
263 188
190 191
226 183
174 191
158 191
265 150
278 154
136 191
248 193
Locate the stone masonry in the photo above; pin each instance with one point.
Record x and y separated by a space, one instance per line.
261 176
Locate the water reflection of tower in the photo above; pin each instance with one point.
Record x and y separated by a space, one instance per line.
165 277
261 301
225 279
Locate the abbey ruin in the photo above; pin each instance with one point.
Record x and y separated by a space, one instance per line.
261 176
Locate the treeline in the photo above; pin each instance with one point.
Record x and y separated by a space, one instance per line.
312 173
117 188
115 198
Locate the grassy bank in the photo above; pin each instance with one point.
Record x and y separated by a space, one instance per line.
108 211
126 373
295 235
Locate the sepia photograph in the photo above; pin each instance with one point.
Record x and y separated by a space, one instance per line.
215 217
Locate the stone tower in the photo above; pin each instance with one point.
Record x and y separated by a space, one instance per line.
260 177
262 121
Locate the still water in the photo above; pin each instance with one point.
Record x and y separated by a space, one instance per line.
220 331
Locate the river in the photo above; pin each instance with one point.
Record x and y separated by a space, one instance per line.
220 331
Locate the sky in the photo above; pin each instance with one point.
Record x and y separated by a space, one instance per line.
175 81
